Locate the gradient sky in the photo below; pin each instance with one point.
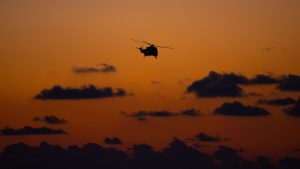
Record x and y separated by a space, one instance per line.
40 42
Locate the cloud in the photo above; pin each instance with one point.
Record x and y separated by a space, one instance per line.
184 156
100 68
112 140
228 153
207 138
218 85
176 155
263 79
265 162
229 149
85 92
289 83
289 163
190 112
27 130
295 109
230 84
153 114
278 102
143 115
51 119
238 109
142 150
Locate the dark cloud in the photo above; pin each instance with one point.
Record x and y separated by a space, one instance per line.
238 109
142 115
27 130
229 84
142 150
277 102
295 109
289 83
231 150
263 79
112 140
218 85
265 162
100 68
153 114
228 154
85 92
177 155
205 137
289 163
180 155
190 112
51 119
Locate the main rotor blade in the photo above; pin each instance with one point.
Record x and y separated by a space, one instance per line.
147 43
139 41
165 47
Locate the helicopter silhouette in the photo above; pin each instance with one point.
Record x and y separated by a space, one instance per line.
150 50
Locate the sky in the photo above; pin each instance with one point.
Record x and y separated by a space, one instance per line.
43 42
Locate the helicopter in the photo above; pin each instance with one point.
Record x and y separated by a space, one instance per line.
150 50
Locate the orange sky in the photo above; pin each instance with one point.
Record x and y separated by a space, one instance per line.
42 40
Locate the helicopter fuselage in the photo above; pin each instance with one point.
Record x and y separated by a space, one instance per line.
149 51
